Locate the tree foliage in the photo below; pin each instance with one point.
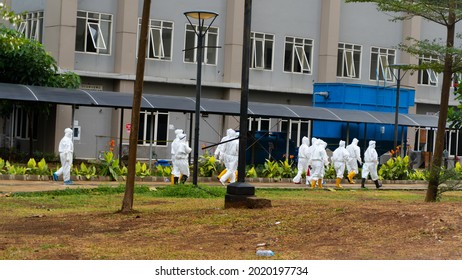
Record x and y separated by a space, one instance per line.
25 61
445 13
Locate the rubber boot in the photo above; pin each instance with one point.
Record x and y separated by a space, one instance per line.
337 182
363 181
350 177
313 184
377 184
221 174
320 183
175 180
184 178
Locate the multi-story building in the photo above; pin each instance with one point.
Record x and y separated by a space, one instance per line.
295 44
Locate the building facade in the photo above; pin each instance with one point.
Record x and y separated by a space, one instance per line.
295 44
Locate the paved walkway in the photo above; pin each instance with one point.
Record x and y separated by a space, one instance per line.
9 186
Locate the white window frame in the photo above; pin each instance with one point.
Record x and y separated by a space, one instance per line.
429 75
208 50
300 51
157 50
93 20
258 123
384 58
300 133
346 67
21 124
146 130
259 42
98 40
32 25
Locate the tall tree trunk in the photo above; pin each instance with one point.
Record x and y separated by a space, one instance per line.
127 203
433 182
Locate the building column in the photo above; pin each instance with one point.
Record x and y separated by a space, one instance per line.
125 59
233 56
328 41
59 29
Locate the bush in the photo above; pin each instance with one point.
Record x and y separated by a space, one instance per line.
395 169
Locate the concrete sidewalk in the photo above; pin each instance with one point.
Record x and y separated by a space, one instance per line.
11 186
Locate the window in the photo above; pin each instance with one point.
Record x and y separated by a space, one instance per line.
158 121
381 58
262 51
32 26
22 123
298 129
427 76
209 51
256 124
93 34
160 39
348 60
298 55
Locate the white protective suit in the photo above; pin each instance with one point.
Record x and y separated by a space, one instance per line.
230 154
219 150
354 156
66 151
310 152
371 160
303 158
181 157
339 158
174 148
318 160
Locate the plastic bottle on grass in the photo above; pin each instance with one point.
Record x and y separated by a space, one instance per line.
265 253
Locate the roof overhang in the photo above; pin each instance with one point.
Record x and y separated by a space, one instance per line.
16 92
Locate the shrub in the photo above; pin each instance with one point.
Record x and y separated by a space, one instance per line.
271 169
395 169
286 169
109 166
40 168
207 165
141 170
87 172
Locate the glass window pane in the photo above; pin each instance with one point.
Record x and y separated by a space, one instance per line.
162 129
288 57
80 35
190 44
212 52
156 43
258 54
268 52
167 38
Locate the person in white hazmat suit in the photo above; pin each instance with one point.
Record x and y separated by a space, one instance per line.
318 160
66 151
339 158
355 157
371 161
310 152
181 157
303 158
174 148
219 150
230 158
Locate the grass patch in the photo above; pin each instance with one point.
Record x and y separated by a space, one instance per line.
179 191
186 222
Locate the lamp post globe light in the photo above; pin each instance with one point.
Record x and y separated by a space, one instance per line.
201 31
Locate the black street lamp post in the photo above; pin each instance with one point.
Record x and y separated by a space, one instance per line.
201 16
398 78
